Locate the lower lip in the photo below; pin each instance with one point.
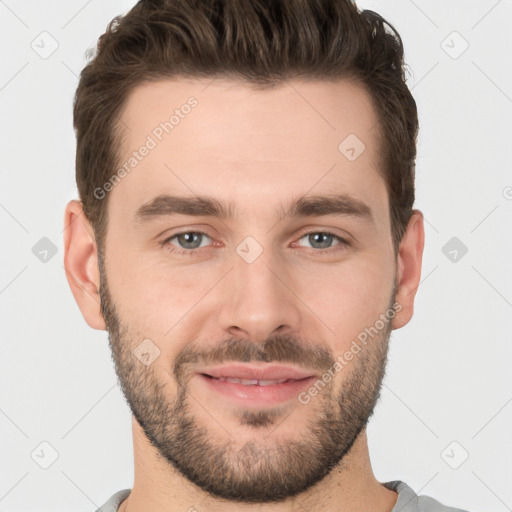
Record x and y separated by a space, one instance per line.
258 396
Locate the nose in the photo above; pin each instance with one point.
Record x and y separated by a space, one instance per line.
259 300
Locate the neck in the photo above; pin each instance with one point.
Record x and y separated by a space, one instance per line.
350 487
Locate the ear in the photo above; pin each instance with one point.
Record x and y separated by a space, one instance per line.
81 264
409 259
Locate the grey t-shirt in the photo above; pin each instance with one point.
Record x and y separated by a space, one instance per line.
408 500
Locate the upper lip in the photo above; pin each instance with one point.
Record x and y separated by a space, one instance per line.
268 372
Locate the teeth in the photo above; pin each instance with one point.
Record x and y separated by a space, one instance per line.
253 382
270 382
245 382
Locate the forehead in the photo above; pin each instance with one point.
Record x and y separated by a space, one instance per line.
255 147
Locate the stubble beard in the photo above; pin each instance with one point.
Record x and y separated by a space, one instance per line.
265 470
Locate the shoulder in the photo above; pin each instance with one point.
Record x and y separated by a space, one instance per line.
409 501
114 501
427 504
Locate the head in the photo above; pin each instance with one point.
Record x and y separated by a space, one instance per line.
252 128
260 44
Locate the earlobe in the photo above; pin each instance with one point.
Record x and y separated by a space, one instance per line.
81 264
409 260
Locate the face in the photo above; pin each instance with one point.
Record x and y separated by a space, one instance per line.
240 284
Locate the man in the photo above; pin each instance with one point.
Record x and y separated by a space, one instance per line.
245 233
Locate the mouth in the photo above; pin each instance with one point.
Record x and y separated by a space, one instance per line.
250 382
255 386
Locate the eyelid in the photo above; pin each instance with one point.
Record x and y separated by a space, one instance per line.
326 231
343 243
167 240
335 250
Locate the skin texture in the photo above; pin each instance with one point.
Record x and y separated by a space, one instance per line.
293 304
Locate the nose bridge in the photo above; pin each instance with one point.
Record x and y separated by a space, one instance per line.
258 300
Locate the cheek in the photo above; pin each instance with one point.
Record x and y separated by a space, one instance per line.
164 302
347 298
154 297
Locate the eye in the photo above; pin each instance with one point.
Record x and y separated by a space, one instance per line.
187 241
323 241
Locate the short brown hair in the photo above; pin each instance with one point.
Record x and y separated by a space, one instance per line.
261 42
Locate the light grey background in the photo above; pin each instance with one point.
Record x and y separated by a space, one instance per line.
448 378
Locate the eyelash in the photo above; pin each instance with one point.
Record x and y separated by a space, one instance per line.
193 252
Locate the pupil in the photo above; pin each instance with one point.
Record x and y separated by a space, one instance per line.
189 238
314 239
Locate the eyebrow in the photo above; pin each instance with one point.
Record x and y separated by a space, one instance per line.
305 206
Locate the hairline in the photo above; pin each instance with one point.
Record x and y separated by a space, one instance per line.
118 133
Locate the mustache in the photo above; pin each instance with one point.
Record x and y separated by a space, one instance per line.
279 349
